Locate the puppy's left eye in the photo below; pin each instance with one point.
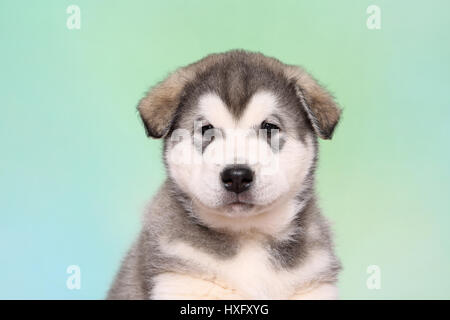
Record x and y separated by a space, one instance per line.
206 128
269 126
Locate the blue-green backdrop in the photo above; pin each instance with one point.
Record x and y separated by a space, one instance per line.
76 169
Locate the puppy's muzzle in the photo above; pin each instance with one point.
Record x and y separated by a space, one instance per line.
237 179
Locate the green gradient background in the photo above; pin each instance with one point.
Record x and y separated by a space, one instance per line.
76 169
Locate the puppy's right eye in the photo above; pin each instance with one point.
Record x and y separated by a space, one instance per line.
269 126
206 128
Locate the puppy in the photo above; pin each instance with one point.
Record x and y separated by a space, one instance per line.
237 217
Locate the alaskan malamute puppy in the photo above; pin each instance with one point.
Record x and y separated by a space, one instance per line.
237 217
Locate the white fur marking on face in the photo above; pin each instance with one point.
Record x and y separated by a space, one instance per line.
260 106
214 110
274 217
278 175
274 220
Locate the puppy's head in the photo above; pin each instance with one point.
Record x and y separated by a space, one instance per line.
240 130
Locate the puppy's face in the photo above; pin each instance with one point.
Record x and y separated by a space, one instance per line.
241 138
241 162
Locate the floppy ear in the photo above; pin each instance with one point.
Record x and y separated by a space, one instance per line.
319 104
157 108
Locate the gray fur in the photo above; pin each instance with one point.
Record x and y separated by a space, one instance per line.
167 217
235 77
235 80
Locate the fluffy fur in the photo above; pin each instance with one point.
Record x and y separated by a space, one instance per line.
200 241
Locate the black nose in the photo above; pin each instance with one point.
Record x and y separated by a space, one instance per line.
237 178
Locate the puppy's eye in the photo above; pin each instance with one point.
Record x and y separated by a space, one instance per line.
206 128
269 126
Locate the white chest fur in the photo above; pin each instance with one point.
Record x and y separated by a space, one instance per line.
248 275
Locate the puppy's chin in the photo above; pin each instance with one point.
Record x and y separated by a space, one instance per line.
238 209
231 205
229 209
242 208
